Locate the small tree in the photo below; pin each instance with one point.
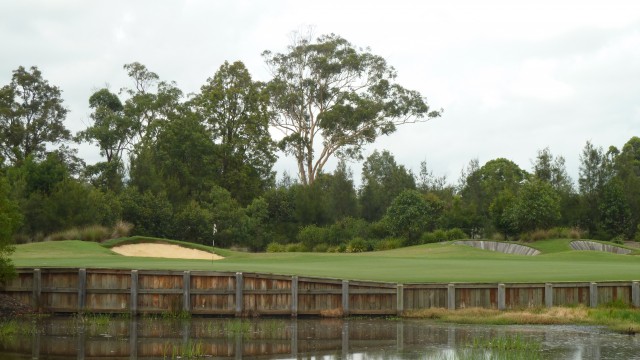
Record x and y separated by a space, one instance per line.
408 215
537 206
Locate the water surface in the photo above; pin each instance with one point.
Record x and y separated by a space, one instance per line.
101 337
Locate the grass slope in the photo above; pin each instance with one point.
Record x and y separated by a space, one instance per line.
424 263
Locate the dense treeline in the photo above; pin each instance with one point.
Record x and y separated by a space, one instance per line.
175 165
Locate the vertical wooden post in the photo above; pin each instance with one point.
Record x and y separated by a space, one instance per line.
36 297
133 298
399 299
451 296
345 297
502 297
186 291
294 296
239 291
635 293
593 295
548 295
82 289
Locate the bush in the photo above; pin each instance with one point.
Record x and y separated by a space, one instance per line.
121 229
295 247
427 238
95 233
321 248
388 244
312 235
346 229
274 247
554 233
456 234
440 235
618 239
357 245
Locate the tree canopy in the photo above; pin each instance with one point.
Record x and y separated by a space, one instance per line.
332 98
31 115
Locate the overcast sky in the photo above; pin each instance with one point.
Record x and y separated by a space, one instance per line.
513 77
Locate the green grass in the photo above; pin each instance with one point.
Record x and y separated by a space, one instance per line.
424 263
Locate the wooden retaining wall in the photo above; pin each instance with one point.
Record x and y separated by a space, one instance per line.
248 294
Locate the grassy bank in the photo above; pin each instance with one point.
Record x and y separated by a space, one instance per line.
440 262
619 319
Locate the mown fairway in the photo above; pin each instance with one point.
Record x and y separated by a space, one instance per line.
425 263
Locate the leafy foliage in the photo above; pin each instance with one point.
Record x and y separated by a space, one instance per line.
31 116
333 98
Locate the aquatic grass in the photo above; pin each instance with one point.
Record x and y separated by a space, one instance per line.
11 328
534 316
624 320
618 319
187 350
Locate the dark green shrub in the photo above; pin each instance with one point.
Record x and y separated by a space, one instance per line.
440 235
456 234
312 235
427 238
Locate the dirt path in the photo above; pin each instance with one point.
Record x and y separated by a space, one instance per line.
164 251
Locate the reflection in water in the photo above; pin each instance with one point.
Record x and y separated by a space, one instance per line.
98 337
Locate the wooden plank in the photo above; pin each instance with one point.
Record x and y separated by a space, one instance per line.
451 297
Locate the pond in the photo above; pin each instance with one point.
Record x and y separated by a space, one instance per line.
103 337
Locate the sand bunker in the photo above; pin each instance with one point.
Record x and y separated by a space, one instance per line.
164 251
506 248
596 246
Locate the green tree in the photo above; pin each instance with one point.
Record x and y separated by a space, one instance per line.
409 215
332 98
338 193
150 213
112 132
536 206
150 101
596 170
483 185
31 116
10 221
180 161
552 170
627 165
615 213
235 110
382 181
